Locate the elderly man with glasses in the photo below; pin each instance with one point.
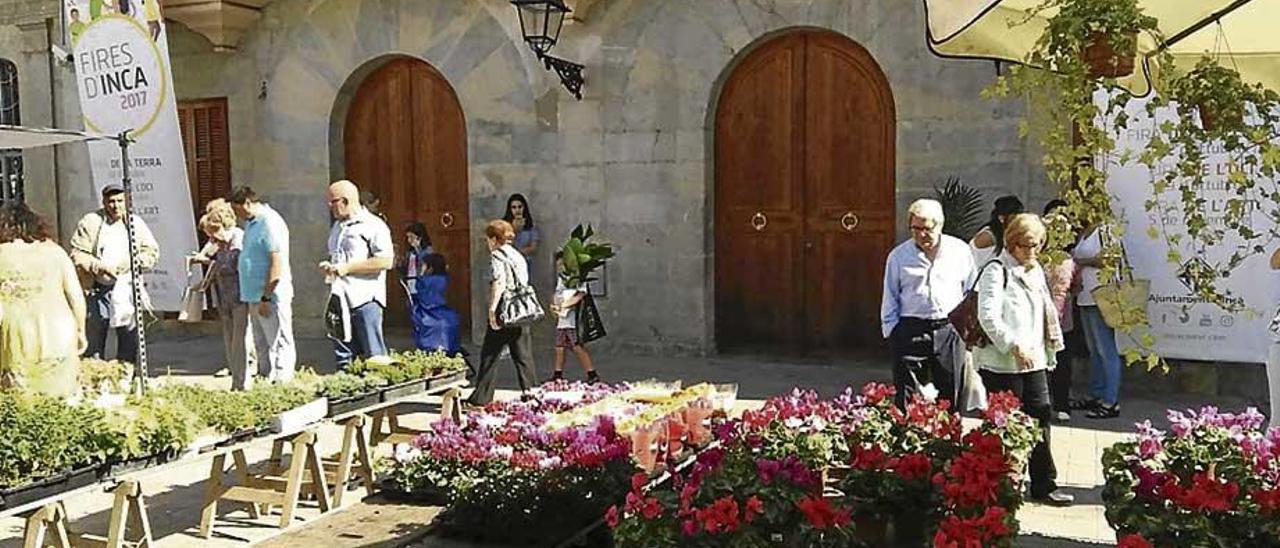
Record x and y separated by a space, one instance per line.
925 278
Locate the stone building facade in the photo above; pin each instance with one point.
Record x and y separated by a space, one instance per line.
634 157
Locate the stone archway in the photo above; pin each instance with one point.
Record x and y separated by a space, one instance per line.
804 132
404 137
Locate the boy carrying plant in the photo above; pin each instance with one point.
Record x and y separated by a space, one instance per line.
564 306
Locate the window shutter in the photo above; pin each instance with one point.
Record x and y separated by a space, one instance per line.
206 145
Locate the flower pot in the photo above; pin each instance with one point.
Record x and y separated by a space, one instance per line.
1210 118
404 390
342 406
50 487
1105 61
445 379
120 468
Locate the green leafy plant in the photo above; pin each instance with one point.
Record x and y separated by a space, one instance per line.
153 424
582 257
1213 106
402 367
1059 86
962 207
100 376
230 412
41 437
346 385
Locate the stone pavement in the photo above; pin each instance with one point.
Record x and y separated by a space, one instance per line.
174 495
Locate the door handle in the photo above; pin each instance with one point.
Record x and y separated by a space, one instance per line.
849 221
446 220
808 245
759 221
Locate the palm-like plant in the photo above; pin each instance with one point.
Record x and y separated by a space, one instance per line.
962 208
582 257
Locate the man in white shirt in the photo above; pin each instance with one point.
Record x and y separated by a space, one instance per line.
925 278
100 252
360 253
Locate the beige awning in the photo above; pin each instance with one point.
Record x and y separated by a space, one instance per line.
19 138
1245 33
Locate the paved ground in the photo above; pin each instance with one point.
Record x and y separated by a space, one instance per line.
174 494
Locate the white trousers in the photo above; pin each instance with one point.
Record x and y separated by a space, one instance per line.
273 338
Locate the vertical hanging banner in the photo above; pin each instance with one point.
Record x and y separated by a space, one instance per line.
1184 325
121 58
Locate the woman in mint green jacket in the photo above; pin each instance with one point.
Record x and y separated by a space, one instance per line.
1017 313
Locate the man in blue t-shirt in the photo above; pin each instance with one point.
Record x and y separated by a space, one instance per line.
266 284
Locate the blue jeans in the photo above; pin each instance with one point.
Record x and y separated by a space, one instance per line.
1104 358
366 335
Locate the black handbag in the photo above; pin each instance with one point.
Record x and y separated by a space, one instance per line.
590 325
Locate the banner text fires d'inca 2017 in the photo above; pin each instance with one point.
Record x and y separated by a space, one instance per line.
121 56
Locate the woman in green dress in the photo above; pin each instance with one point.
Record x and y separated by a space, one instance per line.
42 308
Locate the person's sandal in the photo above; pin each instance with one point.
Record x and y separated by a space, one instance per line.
1087 404
1105 412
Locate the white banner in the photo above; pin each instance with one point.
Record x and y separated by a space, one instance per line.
1184 326
121 58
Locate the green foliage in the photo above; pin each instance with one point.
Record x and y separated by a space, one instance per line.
402 367
962 207
1059 88
153 424
230 412
346 385
1213 105
99 376
582 257
41 437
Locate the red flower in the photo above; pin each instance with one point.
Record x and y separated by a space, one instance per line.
1133 541
1268 501
1205 494
871 458
876 392
689 528
753 507
975 532
611 517
911 466
638 481
651 509
720 517
820 514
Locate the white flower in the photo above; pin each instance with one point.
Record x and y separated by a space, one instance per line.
794 423
502 451
405 453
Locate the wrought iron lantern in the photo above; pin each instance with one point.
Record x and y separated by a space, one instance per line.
540 23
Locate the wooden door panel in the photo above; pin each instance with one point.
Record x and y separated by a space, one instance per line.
804 139
849 139
405 140
759 199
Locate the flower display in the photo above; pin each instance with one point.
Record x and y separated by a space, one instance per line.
1210 479
804 471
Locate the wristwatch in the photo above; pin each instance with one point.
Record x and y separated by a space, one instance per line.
265 299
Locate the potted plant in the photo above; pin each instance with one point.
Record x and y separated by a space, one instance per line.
347 392
1210 480
962 207
1216 93
582 257
1100 36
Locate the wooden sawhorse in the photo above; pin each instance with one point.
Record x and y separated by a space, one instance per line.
450 407
267 489
128 507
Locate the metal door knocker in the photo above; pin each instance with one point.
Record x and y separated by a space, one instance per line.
446 220
849 221
759 221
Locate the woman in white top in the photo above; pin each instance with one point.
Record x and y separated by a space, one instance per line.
1017 314
1273 357
989 241
507 267
1104 356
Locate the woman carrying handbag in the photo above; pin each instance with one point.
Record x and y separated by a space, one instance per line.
512 306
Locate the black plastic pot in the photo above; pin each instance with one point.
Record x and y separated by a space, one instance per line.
446 379
120 468
404 390
346 405
239 436
51 486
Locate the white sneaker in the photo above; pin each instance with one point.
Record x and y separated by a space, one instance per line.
1063 416
224 372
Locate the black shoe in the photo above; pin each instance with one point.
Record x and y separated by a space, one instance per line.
556 376
1087 404
1105 412
1055 498
593 377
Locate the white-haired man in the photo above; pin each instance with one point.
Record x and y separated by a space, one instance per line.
925 278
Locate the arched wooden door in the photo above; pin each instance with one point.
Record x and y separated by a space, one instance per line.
804 196
405 138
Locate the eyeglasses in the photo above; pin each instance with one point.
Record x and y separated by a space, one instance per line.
921 228
1025 245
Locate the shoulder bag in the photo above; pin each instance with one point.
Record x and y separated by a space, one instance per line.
590 325
518 305
964 317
